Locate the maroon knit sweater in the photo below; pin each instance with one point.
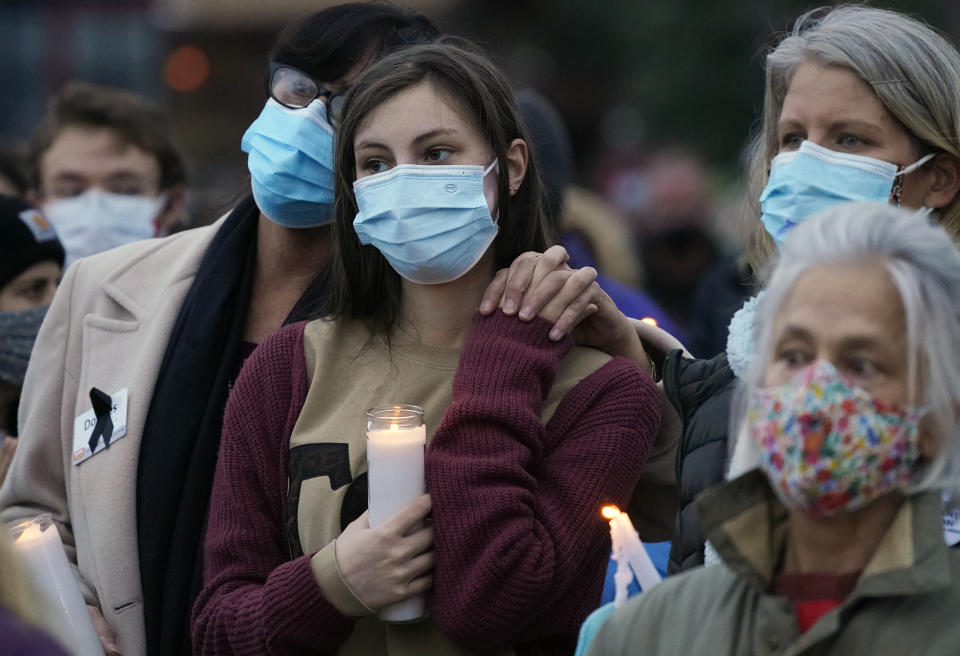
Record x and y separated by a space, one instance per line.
521 551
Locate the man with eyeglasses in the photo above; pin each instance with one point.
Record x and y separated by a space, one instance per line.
122 403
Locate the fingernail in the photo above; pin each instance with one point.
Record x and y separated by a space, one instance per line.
526 313
555 334
485 307
509 307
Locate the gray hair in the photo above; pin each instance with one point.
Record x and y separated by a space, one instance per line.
924 265
913 69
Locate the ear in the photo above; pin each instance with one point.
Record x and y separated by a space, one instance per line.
172 214
945 181
518 156
930 438
927 444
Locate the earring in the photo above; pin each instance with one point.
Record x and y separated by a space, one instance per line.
514 188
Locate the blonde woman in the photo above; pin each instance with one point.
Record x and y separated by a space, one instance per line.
859 104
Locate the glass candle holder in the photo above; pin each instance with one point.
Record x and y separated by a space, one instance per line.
396 439
37 543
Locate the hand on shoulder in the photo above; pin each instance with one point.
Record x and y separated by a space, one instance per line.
544 285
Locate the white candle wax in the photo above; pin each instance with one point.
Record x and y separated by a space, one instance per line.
64 609
633 550
623 575
395 471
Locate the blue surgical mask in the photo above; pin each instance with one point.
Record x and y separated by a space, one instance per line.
432 223
813 178
291 164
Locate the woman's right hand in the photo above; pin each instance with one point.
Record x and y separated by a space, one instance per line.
391 562
544 285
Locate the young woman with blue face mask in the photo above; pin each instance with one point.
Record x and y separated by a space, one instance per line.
161 329
527 437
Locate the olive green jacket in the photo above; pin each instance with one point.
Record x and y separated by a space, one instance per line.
907 601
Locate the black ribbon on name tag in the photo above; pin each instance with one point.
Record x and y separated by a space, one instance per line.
102 407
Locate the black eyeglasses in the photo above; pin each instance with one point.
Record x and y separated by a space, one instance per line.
295 89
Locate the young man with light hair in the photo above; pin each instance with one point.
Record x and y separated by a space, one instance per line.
103 168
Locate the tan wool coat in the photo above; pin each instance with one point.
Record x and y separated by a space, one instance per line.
108 328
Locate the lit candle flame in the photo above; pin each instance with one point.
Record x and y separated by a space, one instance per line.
32 532
610 512
649 320
394 427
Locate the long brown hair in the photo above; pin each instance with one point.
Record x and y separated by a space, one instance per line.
363 284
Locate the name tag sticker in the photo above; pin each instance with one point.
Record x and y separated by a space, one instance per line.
951 527
84 425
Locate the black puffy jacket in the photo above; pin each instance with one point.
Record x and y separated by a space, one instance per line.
702 393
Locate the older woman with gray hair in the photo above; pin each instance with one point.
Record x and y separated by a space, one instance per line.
833 544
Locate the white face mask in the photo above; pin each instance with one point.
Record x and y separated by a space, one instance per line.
98 220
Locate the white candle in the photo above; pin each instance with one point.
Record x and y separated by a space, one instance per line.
38 544
396 439
621 579
627 544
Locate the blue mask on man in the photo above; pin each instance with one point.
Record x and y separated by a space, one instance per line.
432 223
813 178
291 164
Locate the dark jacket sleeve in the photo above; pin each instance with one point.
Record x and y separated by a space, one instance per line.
255 600
521 550
701 391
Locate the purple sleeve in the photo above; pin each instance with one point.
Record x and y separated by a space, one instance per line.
521 549
22 639
254 599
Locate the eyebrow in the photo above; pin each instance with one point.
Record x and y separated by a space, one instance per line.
852 343
68 176
794 332
861 343
842 124
439 132
127 176
426 136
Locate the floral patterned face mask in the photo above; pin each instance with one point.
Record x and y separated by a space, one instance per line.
828 447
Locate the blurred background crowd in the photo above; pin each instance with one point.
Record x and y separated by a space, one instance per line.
655 102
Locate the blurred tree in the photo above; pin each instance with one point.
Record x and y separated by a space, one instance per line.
692 70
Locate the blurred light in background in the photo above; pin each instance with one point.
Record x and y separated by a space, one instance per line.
186 69
253 14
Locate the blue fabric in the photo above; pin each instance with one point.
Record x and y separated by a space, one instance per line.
291 164
431 222
632 302
590 627
659 553
812 179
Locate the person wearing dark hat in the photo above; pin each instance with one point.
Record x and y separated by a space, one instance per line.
31 258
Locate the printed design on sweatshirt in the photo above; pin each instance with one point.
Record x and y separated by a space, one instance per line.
307 461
